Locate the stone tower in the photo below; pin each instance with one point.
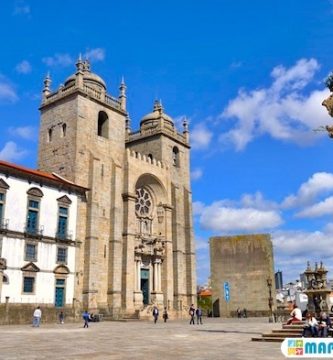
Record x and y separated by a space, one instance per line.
135 235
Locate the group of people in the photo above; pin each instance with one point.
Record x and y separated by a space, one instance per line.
37 317
317 328
195 312
156 313
241 313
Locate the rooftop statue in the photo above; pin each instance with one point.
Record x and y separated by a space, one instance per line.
328 103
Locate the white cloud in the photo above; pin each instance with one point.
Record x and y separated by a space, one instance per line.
317 184
11 152
226 219
25 132
196 174
281 110
58 60
257 201
201 244
7 91
93 55
21 8
324 207
24 67
200 137
198 207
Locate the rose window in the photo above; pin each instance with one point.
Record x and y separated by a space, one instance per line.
143 202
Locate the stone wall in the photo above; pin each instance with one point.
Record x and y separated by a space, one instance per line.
23 313
245 262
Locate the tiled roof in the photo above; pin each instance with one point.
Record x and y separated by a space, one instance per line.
24 171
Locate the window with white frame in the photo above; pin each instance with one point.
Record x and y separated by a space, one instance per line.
62 255
30 253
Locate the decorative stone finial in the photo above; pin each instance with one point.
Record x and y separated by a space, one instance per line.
79 64
122 94
47 86
185 129
158 106
86 65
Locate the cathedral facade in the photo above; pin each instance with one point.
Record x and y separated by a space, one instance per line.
135 244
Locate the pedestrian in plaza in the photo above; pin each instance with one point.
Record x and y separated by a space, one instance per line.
244 313
61 317
192 313
37 317
311 324
155 314
85 317
198 313
165 315
239 313
296 315
324 324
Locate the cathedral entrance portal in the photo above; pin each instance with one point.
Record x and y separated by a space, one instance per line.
145 285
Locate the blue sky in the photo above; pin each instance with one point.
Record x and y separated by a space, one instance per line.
248 74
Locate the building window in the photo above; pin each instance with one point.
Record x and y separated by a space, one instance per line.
49 135
62 255
28 284
175 156
30 252
32 218
2 208
103 125
63 130
62 222
143 203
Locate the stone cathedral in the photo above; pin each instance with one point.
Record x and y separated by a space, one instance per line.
134 233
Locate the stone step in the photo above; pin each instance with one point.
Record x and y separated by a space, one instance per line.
281 335
298 331
270 339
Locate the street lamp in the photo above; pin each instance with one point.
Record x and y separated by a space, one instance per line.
270 299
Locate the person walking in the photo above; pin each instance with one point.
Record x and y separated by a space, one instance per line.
198 313
192 313
155 314
85 317
37 317
61 317
165 315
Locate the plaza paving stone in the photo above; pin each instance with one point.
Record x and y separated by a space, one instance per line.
228 339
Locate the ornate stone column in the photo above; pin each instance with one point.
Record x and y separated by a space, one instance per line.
157 295
138 297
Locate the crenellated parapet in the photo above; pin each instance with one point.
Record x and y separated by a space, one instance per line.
144 158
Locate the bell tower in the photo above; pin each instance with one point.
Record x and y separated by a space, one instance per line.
82 137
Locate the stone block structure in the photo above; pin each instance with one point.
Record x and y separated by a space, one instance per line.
136 227
245 263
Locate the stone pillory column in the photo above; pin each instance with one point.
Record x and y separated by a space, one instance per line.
138 297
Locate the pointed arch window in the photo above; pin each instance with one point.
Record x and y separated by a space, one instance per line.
103 125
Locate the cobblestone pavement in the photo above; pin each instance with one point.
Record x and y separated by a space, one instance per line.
227 339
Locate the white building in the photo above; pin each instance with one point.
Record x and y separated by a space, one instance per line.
38 216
